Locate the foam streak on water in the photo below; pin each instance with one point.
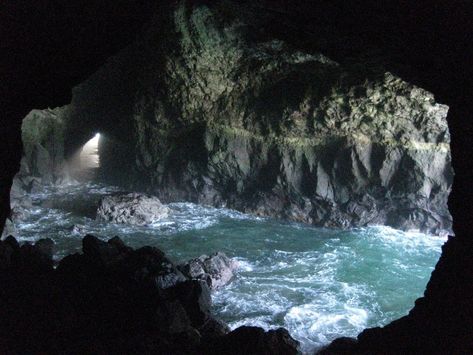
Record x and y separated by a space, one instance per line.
320 284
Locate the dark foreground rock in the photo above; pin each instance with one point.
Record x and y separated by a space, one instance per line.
133 208
216 270
112 300
254 340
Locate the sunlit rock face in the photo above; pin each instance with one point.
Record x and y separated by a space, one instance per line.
219 112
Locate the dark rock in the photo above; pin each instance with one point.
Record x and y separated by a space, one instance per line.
114 288
11 241
195 297
45 247
388 35
340 346
34 258
216 270
213 328
146 265
7 248
253 340
99 251
119 245
9 229
372 147
150 265
134 208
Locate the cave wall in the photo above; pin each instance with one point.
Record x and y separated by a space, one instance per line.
43 146
206 106
432 37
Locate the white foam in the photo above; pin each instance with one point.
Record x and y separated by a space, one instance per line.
330 284
244 265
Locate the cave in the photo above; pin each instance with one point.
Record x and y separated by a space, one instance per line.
330 136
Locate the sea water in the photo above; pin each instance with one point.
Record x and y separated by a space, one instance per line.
318 283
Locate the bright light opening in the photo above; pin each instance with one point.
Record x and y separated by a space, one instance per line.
89 155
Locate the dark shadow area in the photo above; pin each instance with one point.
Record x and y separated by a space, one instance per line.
50 48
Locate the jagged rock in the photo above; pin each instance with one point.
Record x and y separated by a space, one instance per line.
216 270
28 257
21 207
253 340
114 288
7 248
195 297
213 328
9 229
147 265
351 145
45 247
133 208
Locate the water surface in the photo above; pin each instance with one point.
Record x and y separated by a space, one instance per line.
318 283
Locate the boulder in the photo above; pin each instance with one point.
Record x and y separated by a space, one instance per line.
148 266
9 229
195 298
133 208
137 301
216 270
254 340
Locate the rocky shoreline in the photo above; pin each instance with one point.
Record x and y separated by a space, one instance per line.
217 112
112 299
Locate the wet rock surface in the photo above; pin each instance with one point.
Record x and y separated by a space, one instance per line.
254 340
112 299
216 270
133 208
223 114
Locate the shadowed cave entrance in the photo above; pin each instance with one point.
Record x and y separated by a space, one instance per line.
212 163
438 58
319 283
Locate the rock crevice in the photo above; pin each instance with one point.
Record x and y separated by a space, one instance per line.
220 113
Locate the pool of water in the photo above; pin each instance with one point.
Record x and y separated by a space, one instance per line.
318 283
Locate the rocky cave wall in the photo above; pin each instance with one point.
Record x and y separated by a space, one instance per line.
427 42
206 106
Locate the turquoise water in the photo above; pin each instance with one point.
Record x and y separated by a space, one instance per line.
318 283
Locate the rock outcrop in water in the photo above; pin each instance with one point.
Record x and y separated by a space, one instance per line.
42 164
133 208
216 270
112 300
222 114
43 149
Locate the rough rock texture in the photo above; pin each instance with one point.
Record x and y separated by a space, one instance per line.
42 163
110 300
133 208
43 148
222 114
253 340
216 270
429 45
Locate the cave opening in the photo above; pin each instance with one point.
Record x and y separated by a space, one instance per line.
338 222
83 165
372 219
